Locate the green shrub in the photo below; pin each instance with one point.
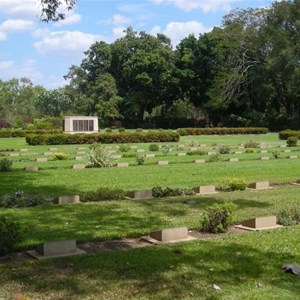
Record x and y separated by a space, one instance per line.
222 131
215 157
124 148
129 154
108 130
103 194
99 157
196 152
276 154
285 134
224 149
217 218
251 144
193 144
60 156
10 233
153 147
165 149
289 215
139 130
233 184
22 199
160 192
140 159
121 129
250 150
7 133
291 141
5 165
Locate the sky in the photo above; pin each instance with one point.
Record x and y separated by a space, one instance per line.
44 52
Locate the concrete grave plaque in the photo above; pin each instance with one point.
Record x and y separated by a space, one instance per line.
140 150
48 153
14 154
78 158
263 151
117 156
241 147
265 158
133 147
211 153
31 169
55 249
293 156
199 161
205 189
261 223
53 149
30 154
80 152
203 145
287 151
233 159
162 162
66 200
42 159
181 154
23 150
283 146
80 148
78 167
122 165
238 152
170 234
150 155
143 194
193 148
260 185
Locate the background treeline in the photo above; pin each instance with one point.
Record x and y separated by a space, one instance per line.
244 73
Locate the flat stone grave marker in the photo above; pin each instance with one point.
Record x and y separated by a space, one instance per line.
283 146
238 152
150 155
169 235
205 189
80 152
24 150
199 161
133 147
260 223
287 151
260 185
80 148
66 200
122 165
140 150
211 153
193 148
56 249
78 167
42 159
143 194
263 151
31 169
241 147
117 156
14 154
30 154
53 149
162 162
234 159
203 145
293 156
265 158
48 153
181 154
78 158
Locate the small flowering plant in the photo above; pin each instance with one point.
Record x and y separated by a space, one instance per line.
22 199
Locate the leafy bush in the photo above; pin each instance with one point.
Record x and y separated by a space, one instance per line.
60 156
250 150
222 131
165 149
129 154
103 194
217 218
276 154
108 130
139 130
140 159
233 184
22 199
121 129
291 141
160 192
193 144
285 134
99 157
224 149
5 165
251 144
124 148
196 152
153 147
11 234
7 133
289 215
214 157
7 150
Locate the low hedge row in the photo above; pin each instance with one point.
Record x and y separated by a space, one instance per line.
8 133
285 134
105 138
221 131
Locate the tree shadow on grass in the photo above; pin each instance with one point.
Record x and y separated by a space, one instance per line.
162 272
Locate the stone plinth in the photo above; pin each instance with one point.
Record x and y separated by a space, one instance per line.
162 162
193 148
205 189
140 150
238 152
80 152
199 161
31 169
211 153
78 158
53 149
261 223
150 155
66 199
170 234
293 156
55 249
287 151
122 165
260 185
263 151
80 148
78 167
181 154
48 153
14 154
233 159
23 150
117 156
133 147
41 159
143 194
265 158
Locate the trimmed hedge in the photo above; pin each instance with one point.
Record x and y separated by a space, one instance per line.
285 134
222 131
105 138
9 133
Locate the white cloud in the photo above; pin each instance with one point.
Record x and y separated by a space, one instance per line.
40 32
25 9
14 25
118 32
204 5
71 17
66 43
118 20
2 36
176 31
